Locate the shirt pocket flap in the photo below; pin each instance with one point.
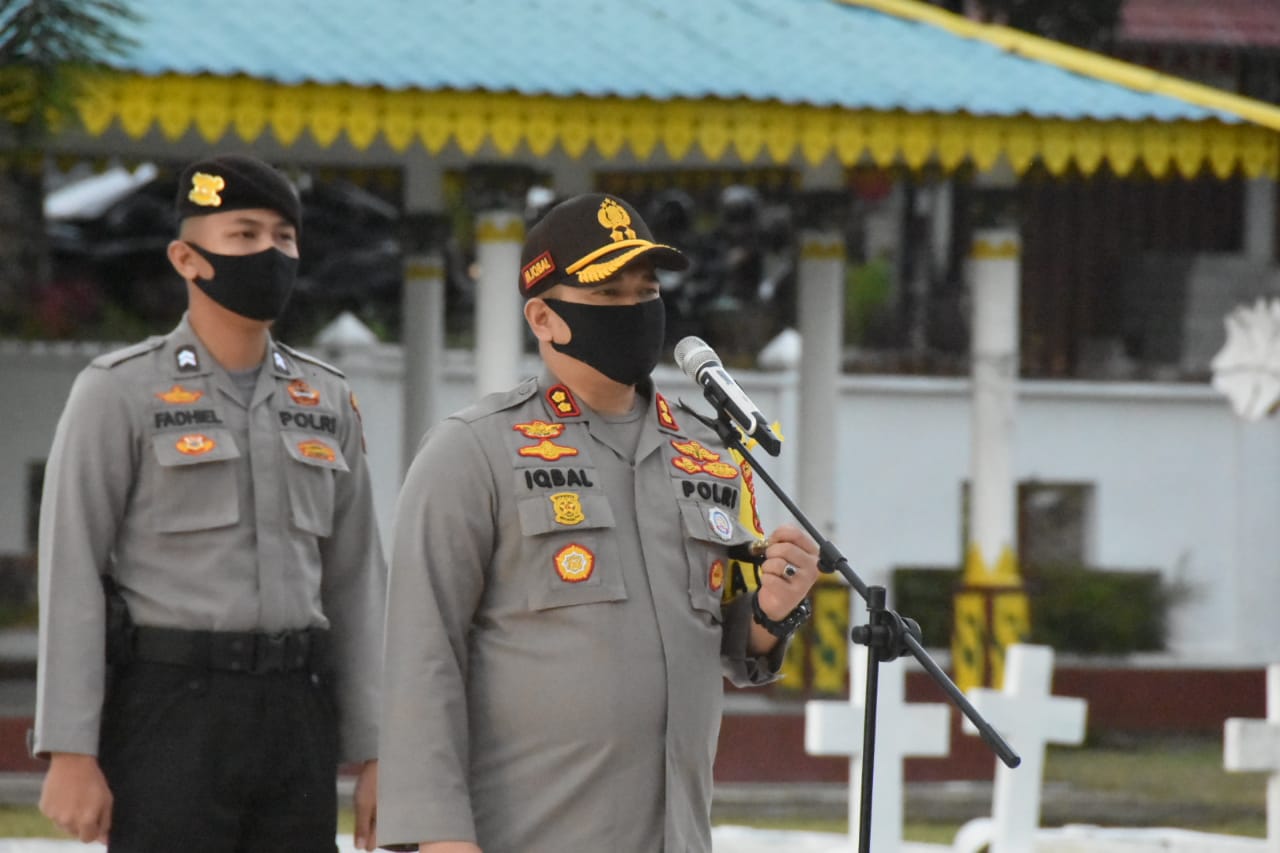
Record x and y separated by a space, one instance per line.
713 524
312 450
192 448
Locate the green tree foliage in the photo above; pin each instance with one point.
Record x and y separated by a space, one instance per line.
48 51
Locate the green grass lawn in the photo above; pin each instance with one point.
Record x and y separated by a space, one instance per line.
1163 780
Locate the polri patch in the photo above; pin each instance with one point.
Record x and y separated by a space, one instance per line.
562 402
187 359
548 450
665 420
303 394
568 508
539 429
574 563
179 396
195 444
720 523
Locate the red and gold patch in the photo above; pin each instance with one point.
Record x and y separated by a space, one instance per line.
687 465
314 448
195 444
548 450
562 402
536 270
574 563
723 470
695 450
665 420
303 394
539 429
715 577
178 396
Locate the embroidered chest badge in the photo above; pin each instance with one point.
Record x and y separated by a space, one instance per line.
720 523
548 450
314 448
195 444
562 402
568 508
178 396
715 576
303 394
574 563
539 429
694 450
205 189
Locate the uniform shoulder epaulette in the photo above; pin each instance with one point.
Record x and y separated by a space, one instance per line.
311 359
499 401
120 356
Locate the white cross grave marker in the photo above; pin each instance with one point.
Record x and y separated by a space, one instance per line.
902 729
1028 717
1255 745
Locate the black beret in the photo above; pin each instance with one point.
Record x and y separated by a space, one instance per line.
585 240
235 182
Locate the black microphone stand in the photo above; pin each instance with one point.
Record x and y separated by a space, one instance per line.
887 635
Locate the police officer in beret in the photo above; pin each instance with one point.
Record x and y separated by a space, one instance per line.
558 625
211 581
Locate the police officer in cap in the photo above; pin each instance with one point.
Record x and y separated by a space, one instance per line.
211 581
559 621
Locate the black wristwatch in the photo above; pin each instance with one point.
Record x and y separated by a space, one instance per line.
787 625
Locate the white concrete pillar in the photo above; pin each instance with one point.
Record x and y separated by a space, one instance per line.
994 279
1260 220
499 321
422 306
820 315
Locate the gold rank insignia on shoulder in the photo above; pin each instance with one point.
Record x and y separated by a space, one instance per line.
562 402
195 444
568 508
548 450
694 450
665 419
303 394
314 448
574 563
539 429
205 189
178 396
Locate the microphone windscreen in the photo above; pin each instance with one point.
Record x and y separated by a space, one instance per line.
693 354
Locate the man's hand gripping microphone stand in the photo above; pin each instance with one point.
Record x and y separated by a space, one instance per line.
887 635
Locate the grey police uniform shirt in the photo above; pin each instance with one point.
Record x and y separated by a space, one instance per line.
211 514
556 634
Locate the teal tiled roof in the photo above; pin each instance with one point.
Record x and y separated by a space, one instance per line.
818 52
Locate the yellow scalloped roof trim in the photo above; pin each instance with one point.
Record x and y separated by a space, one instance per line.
1079 60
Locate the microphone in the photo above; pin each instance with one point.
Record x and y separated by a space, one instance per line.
701 364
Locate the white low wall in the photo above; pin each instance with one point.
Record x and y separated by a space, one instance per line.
1181 484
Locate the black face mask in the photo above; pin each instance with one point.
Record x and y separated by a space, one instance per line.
256 286
624 342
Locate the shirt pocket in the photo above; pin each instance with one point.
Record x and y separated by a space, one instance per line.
310 470
570 551
709 531
197 481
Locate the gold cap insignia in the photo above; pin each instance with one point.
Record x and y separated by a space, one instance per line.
205 189
616 220
568 508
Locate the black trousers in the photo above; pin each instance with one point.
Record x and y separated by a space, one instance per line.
218 762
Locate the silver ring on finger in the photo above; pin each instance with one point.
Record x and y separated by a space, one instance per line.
789 570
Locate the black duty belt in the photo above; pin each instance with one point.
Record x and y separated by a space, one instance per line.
233 651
